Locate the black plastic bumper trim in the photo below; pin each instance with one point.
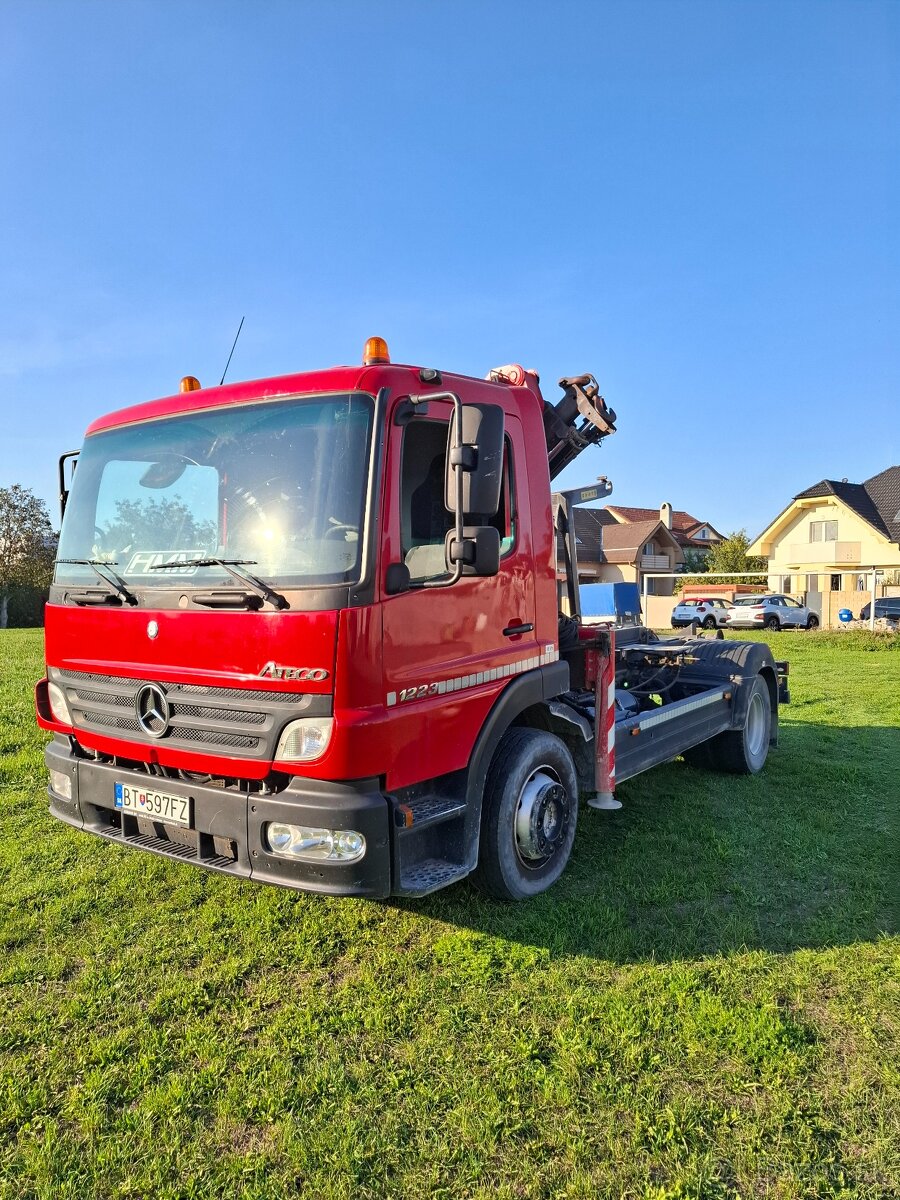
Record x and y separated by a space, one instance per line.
228 826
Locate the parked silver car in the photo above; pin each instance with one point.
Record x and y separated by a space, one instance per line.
770 612
710 612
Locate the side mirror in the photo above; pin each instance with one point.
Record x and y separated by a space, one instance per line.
478 552
480 457
70 459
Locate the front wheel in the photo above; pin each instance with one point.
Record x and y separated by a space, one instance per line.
812 621
528 816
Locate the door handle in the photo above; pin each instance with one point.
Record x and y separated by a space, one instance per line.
515 630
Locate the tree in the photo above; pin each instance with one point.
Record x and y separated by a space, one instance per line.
728 555
156 525
695 562
731 555
694 565
27 544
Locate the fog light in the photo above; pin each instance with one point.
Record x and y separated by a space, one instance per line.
59 706
61 784
312 844
304 740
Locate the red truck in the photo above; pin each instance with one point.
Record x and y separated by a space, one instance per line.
306 630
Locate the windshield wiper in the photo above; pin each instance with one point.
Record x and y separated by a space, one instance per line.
229 565
116 581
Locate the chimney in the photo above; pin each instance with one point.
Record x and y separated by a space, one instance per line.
665 514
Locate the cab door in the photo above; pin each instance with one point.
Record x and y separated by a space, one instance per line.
449 650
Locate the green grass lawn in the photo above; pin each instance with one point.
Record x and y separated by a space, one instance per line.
706 1005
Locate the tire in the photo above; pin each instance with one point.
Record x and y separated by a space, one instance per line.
772 623
740 751
709 622
812 621
528 817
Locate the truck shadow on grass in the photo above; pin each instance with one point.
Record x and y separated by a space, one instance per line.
697 864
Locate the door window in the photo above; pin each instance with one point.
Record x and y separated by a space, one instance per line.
424 519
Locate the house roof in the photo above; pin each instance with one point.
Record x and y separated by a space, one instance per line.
621 543
684 525
876 501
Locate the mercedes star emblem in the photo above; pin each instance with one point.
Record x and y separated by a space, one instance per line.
153 710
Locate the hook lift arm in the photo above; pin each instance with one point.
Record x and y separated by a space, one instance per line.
566 438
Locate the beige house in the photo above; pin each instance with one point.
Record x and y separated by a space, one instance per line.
612 551
827 541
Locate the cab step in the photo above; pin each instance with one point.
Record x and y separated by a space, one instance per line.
428 876
414 817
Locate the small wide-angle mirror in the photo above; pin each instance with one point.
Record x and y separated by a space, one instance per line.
479 550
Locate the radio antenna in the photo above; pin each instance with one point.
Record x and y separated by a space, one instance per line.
233 344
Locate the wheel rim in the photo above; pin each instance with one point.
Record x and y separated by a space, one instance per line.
542 818
757 727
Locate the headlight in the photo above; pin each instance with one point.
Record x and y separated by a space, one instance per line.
304 740
314 845
59 706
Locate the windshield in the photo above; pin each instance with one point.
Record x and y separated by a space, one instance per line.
280 484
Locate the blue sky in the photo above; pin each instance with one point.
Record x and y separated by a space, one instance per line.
696 201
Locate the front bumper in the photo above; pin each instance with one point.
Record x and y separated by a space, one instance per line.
226 831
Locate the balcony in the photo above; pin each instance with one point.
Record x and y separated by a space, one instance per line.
655 562
824 554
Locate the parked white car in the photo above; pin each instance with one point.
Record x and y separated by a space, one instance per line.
770 612
710 613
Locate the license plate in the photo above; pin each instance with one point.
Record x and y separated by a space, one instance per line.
158 806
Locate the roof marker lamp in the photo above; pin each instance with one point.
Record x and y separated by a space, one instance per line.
375 351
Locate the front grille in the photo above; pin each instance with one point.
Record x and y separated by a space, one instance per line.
108 720
219 714
247 721
214 738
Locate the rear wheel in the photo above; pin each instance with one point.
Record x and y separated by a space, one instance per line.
740 751
812 621
709 622
528 817
772 623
